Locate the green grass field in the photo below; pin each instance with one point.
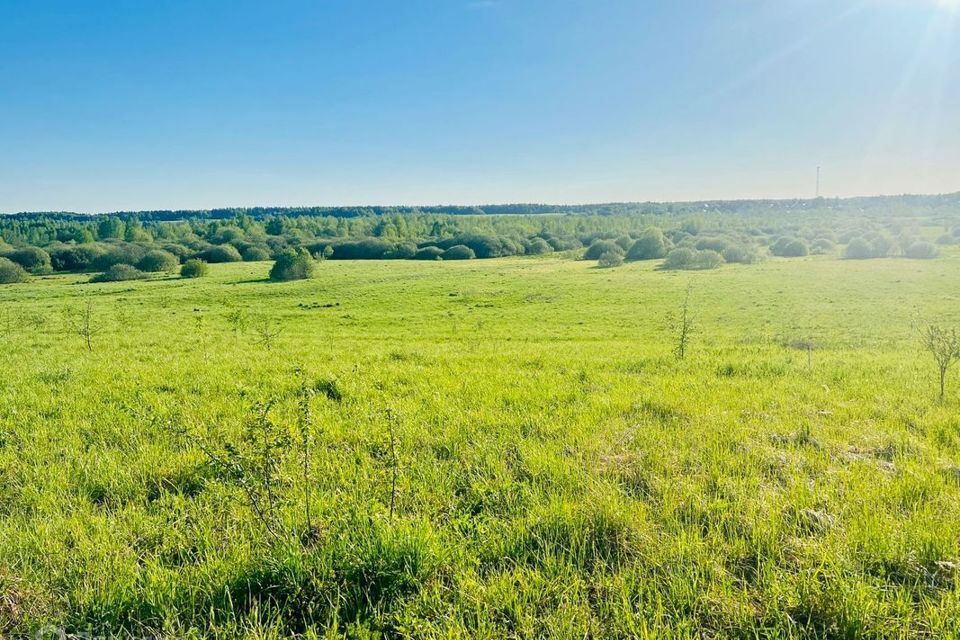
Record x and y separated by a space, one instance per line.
558 472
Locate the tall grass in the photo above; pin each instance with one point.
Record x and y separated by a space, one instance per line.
489 449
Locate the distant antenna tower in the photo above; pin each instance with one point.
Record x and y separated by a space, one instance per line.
818 181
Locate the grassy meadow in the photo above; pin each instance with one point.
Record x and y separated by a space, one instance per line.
502 448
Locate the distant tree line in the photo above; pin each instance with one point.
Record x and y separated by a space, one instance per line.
700 235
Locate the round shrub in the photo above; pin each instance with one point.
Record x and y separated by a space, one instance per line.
428 253
777 247
228 233
796 249
119 273
292 265
459 252
610 259
685 258
599 247
651 245
220 253
680 258
119 253
713 244
538 247
483 245
512 247
708 259
921 251
158 260
858 249
176 249
194 268
403 251
11 272
255 254
821 246
563 243
364 249
81 257
741 254
33 259
790 248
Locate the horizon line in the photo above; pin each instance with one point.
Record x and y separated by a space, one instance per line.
491 204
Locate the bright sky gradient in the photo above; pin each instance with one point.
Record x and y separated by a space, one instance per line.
194 104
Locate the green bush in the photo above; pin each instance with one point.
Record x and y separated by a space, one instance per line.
741 254
562 243
11 272
255 254
685 258
790 248
194 268
292 265
81 257
822 246
713 244
119 253
610 259
176 249
119 273
858 249
921 251
158 260
220 253
483 245
428 253
459 252
538 246
651 245
363 249
796 249
33 259
403 251
599 247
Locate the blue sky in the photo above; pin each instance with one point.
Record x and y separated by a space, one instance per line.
193 104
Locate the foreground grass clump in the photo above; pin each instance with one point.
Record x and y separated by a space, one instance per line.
490 449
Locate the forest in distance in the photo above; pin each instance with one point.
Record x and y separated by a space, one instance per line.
687 236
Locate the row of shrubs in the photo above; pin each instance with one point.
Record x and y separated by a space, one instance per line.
290 265
192 268
102 256
157 257
461 247
681 250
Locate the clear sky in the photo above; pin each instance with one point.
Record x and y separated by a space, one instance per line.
195 104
